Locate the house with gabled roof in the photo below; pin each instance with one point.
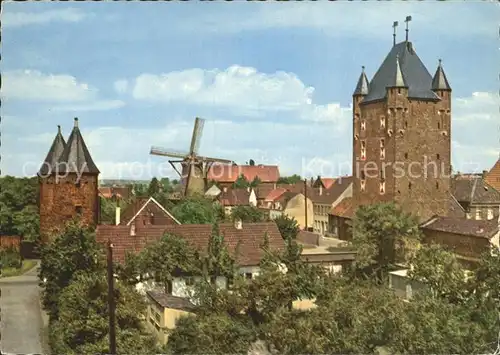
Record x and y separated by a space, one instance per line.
145 211
244 241
493 176
478 198
281 201
227 174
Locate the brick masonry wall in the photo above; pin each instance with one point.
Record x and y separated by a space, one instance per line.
60 200
7 241
467 246
420 133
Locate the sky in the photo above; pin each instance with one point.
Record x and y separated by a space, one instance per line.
273 80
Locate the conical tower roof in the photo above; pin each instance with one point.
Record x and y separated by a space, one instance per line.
76 157
55 151
439 81
362 86
415 75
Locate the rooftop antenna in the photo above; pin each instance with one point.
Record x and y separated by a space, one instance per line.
408 19
394 25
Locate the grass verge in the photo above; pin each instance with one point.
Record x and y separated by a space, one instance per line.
10 271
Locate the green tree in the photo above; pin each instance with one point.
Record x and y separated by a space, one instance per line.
196 210
383 235
19 213
441 272
211 334
288 226
171 256
74 249
255 182
27 222
241 182
154 187
82 326
294 179
248 214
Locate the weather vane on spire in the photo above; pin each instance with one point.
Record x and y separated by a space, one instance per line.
408 19
394 25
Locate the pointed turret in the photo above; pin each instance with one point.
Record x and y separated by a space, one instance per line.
362 86
76 157
415 76
55 151
439 81
397 79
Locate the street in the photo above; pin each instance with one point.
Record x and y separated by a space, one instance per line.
21 316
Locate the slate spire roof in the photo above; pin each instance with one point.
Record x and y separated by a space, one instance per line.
362 86
76 157
399 80
53 155
417 78
440 82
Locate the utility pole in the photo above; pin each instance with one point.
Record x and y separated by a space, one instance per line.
305 204
111 301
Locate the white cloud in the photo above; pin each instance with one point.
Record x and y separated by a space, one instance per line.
18 19
242 89
336 19
37 86
478 106
64 92
121 86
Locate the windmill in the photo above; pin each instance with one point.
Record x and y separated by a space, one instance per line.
195 168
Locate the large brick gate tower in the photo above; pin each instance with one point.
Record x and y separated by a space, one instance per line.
68 182
401 128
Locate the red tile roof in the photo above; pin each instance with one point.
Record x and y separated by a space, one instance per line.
234 197
493 176
230 173
249 238
148 206
344 209
470 227
330 195
273 195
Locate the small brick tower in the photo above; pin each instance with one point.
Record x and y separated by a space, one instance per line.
68 182
401 143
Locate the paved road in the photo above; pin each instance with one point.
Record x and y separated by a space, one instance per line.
21 317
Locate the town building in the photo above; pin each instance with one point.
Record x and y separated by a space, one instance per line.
68 180
493 176
145 211
244 241
227 174
478 198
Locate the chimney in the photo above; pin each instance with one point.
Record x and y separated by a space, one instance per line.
274 186
238 224
132 229
320 189
485 172
117 216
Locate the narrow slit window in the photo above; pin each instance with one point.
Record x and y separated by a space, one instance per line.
363 125
382 122
382 186
363 185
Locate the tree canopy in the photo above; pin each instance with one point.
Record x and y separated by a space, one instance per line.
82 326
74 249
383 234
248 214
293 179
19 214
197 210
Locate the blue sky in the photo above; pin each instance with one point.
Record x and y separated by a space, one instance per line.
273 80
